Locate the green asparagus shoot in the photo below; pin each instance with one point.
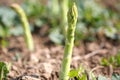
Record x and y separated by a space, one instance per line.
64 9
72 19
25 24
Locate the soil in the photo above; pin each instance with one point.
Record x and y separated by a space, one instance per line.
44 63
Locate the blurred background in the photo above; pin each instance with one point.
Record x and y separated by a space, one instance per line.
98 19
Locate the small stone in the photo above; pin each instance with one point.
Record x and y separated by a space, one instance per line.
29 78
34 58
46 69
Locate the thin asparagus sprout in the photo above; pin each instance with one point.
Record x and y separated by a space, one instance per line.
25 25
64 9
72 19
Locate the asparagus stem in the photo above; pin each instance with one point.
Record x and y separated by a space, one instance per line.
64 9
72 19
55 7
25 24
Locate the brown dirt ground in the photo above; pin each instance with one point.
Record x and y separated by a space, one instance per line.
44 63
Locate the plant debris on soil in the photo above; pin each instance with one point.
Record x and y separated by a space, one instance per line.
44 63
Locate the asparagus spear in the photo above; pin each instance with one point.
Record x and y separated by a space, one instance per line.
25 25
72 19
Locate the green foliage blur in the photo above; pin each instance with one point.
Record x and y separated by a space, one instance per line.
94 19
4 70
81 74
113 61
